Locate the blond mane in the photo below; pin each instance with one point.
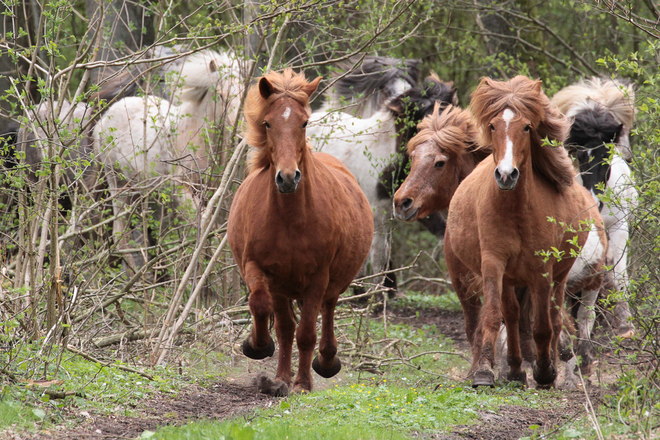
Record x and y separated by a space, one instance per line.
616 95
288 83
453 129
525 97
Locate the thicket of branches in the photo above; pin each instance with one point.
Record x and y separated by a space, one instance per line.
62 281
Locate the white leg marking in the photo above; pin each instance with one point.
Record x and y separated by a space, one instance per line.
286 114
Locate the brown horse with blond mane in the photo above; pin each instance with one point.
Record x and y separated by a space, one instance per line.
300 228
518 221
444 152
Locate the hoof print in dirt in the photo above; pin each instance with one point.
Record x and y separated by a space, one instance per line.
255 353
326 372
483 378
272 387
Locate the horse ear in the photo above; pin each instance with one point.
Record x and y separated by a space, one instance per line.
537 86
265 88
312 86
212 66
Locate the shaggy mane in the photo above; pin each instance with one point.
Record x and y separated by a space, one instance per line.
525 97
453 129
287 83
617 95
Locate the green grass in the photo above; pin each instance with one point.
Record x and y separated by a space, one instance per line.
362 411
92 387
18 415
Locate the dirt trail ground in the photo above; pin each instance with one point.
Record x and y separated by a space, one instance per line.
238 398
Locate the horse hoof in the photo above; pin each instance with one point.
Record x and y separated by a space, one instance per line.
483 378
254 353
326 372
276 387
545 379
517 377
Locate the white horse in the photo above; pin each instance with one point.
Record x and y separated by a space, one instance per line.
372 149
603 112
146 136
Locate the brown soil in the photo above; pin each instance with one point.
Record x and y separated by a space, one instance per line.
218 401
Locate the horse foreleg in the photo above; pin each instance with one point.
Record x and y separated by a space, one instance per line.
259 344
544 369
306 336
491 317
586 316
618 257
511 313
327 364
285 329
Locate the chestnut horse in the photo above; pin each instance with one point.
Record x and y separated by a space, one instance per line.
518 221
300 229
444 152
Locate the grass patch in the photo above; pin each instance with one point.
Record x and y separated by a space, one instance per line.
88 386
373 410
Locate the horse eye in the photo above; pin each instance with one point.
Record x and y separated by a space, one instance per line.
266 124
304 124
439 164
527 128
492 127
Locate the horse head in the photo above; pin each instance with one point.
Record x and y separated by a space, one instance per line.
593 128
442 156
277 111
515 117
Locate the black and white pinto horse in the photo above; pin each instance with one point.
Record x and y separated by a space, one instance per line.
372 148
603 112
363 90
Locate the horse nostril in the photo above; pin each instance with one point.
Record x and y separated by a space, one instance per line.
498 176
297 176
279 180
515 174
407 203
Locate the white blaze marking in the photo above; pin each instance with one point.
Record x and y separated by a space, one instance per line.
506 164
286 114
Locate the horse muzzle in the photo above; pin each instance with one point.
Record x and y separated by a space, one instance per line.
287 183
507 181
405 211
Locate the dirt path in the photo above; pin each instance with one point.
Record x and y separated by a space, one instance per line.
225 400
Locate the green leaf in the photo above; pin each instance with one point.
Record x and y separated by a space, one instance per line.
40 413
147 434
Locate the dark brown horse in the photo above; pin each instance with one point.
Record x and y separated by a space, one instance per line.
517 221
300 229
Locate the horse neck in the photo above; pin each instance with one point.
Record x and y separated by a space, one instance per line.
193 128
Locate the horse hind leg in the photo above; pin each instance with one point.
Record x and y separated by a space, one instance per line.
259 344
326 363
